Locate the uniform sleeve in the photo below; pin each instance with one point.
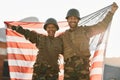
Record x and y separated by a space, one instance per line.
100 26
29 35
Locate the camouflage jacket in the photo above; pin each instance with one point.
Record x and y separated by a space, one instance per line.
49 47
77 42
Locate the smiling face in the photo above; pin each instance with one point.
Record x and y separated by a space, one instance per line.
51 29
73 22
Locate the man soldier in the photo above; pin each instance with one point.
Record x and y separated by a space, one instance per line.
46 65
76 44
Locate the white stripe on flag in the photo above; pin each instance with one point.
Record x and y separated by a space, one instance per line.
22 51
98 58
21 63
21 76
95 71
17 39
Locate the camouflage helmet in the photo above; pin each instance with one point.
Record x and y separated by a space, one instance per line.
51 21
73 12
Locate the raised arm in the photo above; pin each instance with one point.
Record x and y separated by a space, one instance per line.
29 35
102 26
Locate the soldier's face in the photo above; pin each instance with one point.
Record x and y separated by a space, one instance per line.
72 21
51 29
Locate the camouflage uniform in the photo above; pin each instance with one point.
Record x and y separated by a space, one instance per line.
76 48
45 67
77 68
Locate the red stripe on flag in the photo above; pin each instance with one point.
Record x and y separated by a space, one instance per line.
96 77
22 57
18 79
97 65
98 52
21 45
26 24
10 32
20 69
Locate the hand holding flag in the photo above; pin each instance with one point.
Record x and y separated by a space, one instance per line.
114 7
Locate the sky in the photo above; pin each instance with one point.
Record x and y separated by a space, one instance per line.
15 10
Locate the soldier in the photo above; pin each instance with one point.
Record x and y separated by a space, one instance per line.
46 66
76 44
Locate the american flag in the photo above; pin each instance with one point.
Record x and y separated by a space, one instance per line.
22 53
